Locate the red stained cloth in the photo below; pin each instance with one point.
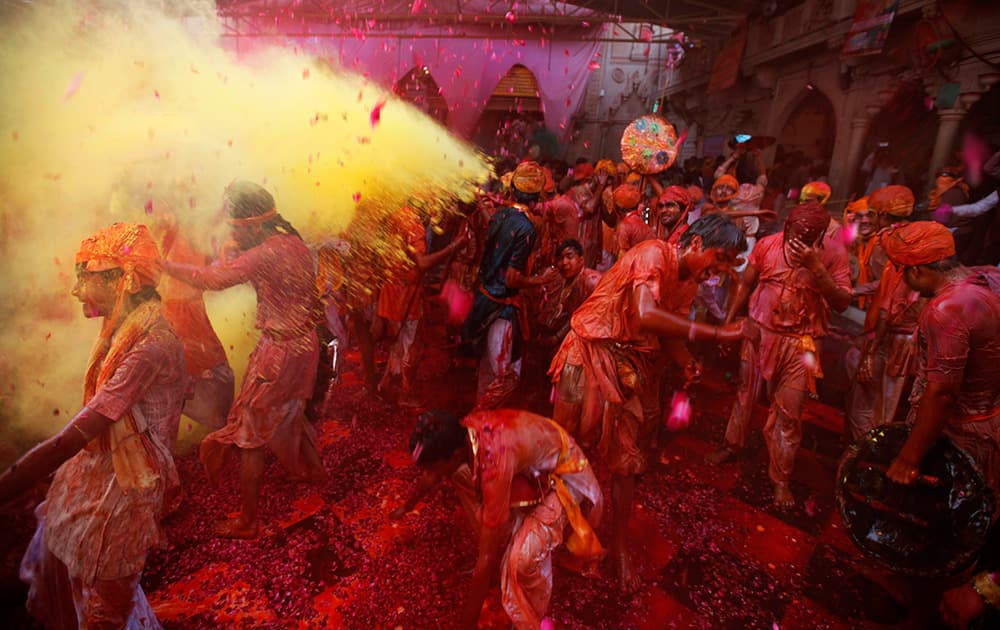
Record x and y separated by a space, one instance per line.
184 308
678 194
959 342
280 270
631 231
787 299
602 369
96 528
514 442
583 171
918 243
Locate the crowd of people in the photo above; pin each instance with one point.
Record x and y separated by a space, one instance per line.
588 296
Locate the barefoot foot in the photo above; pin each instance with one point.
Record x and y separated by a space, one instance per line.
783 497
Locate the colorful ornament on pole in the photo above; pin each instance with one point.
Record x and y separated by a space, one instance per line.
649 144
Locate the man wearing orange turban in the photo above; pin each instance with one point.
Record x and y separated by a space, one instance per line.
815 191
497 324
670 216
957 388
793 280
631 229
888 350
205 357
589 188
269 410
113 470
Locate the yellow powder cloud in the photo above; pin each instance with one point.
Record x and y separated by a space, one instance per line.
114 111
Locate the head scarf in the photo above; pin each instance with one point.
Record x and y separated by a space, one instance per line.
918 243
627 196
677 194
725 180
528 178
811 218
895 201
946 180
582 171
607 167
854 207
818 190
126 246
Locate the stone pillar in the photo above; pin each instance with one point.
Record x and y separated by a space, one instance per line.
856 143
949 122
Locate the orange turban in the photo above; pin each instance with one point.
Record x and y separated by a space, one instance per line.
584 170
695 193
815 191
607 167
725 180
528 177
677 194
896 201
126 246
633 177
854 207
627 196
918 243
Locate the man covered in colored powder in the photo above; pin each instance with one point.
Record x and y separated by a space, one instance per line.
602 372
578 283
891 205
672 208
401 303
184 307
497 320
631 229
113 470
793 280
957 387
528 489
270 408
890 322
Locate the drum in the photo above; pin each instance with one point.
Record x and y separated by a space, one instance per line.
934 526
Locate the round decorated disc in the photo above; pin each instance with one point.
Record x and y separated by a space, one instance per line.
649 144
